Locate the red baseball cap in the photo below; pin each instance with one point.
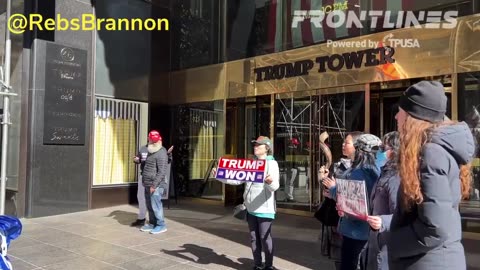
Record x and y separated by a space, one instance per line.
154 136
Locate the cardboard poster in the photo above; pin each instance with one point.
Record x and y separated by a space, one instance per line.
247 170
352 198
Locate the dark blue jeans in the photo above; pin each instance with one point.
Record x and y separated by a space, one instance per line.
351 250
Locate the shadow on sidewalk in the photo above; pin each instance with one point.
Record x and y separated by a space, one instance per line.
123 217
208 256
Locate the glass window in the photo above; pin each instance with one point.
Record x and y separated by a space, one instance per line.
198 133
257 120
116 127
469 111
464 8
196 33
266 26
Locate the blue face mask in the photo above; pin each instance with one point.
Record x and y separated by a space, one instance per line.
381 159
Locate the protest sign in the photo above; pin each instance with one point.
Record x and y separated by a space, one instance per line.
352 198
248 170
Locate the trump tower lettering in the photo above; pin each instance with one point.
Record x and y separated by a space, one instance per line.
334 62
247 170
352 198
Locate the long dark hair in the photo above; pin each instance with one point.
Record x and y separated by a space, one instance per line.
392 140
364 159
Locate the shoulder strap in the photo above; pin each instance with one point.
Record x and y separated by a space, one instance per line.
251 184
265 192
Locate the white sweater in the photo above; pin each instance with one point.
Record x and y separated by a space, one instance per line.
260 197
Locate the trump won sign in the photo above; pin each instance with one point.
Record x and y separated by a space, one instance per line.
352 198
248 170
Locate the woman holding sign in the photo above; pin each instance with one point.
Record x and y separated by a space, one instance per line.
259 198
355 231
435 159
332 243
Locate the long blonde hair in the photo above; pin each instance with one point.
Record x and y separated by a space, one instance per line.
416 133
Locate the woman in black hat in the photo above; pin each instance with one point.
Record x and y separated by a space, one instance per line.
425 231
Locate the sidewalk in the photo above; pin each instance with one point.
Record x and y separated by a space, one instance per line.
198 237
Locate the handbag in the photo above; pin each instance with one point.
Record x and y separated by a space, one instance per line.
327 213
240 211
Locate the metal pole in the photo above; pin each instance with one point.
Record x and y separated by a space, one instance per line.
6 112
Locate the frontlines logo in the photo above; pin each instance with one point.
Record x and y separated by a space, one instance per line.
377 18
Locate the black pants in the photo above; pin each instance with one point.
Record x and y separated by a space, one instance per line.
261 236
331 244
351 250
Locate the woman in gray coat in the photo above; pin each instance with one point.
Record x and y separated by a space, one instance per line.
435 158
383 202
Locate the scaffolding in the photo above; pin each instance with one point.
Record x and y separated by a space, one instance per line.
5 91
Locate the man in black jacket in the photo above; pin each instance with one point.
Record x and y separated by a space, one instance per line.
154 181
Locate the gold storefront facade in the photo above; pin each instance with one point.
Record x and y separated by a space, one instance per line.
218 109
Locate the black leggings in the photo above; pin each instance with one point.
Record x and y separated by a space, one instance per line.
261 235
351 250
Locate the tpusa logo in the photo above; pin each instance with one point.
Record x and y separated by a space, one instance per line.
391 41
377 19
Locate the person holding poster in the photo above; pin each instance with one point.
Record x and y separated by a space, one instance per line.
435 159
383 202
355 232
259 198
332 241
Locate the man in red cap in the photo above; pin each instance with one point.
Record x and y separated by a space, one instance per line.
154 181
140 159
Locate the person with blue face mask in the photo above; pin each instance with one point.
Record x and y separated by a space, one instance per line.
381 158
383 201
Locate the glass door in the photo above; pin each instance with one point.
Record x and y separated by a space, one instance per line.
469 111
246 119
293 126
300 119
336 114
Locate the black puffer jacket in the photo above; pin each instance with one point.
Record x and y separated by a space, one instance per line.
383 202
155 169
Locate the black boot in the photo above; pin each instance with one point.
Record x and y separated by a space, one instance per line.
138 222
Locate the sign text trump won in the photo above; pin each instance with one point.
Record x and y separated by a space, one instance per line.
248 170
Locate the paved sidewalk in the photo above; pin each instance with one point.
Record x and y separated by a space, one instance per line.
198 237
